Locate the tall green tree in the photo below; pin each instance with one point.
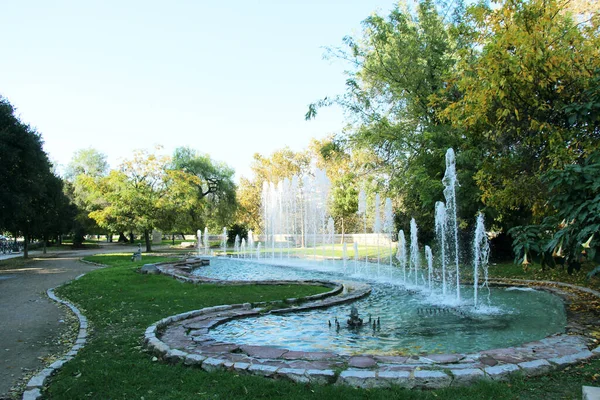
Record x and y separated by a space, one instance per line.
205 191
523 95
31 198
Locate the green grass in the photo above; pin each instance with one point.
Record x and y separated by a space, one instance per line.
120 304
535 272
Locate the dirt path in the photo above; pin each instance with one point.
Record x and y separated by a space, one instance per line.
31 324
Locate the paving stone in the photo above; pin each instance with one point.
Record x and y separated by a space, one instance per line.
398 367
362 362
489 361
159 347
466 376
218 348
57 364
315 364
391 359
261 369
535 367
212 364
263 351
309 355
297 375
32 394
358 378
596 351
571 358
444 358
321 376
428 379
175 356
241 366
588 392
193 359
38 380
396 378
501 372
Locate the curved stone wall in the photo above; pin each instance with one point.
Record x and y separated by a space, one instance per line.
185 338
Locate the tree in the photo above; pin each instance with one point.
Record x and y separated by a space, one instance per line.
88 162
85 165
31 197
394 96
518 87
205 191
135 197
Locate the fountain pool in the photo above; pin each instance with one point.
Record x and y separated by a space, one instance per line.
412 320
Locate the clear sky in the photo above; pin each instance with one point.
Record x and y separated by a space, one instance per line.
226 78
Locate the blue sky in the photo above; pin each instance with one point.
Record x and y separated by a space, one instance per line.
226 78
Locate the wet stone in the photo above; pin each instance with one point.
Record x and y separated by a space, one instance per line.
431 379
213 364
391 359
444 358
321 376
362 362
219 348
489 361
261 369
535 367
309 355
263 351
501 372
466 376
358 378
297 375
570 359
315 364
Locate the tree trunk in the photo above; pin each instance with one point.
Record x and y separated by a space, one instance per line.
148 241
45 239
122 238
131 237
25 246
173 239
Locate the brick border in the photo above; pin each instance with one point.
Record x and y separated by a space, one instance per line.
184 338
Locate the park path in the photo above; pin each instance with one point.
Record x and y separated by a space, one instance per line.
31 324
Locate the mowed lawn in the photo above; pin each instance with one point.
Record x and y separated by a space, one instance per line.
121 303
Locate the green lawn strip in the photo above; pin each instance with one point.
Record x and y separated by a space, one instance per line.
534 272
121 304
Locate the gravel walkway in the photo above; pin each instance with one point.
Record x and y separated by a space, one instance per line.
32 324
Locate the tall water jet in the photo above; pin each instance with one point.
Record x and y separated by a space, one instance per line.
243 247
362 211
250 242
401 253
429 259
344 254
224 242
258 251
377 226
199 241
331 233
388 224
236 246
481 252
206 237
440 231
415 257
355 256
450 182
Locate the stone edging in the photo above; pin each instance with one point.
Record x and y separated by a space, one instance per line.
185 338
35 384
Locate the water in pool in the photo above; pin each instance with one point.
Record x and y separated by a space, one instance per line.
410 321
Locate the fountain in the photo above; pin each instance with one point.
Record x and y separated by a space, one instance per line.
416 302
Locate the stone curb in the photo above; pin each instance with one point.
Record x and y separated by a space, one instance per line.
534 358
33 390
